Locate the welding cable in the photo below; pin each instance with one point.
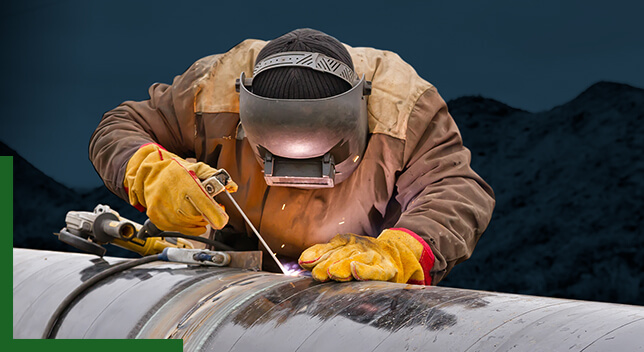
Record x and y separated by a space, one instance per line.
151 230
51 329
216 244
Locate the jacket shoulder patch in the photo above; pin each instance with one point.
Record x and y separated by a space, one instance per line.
396 87
215 89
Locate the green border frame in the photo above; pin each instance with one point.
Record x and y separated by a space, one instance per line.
6 221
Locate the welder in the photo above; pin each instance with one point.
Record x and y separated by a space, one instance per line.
344 158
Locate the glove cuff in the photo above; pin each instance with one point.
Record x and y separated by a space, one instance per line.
426 258
131 170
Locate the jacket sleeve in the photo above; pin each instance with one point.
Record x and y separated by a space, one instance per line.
442 199
167 118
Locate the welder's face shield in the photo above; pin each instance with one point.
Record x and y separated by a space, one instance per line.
306 143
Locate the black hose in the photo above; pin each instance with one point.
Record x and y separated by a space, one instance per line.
216 244
52 325
151 230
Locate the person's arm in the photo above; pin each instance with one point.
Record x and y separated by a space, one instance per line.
445 207
166 119
443 200
139 150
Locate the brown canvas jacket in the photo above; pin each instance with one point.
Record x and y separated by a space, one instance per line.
415 172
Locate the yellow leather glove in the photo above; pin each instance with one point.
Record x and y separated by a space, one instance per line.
170 190
394 256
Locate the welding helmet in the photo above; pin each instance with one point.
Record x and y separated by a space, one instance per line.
306 143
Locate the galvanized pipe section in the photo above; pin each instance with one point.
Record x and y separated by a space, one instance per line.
227 309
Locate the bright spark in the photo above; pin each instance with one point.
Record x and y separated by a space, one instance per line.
293 269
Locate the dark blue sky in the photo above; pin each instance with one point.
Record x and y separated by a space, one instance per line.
67 62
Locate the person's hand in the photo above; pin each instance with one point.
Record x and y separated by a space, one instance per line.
394 256
170 190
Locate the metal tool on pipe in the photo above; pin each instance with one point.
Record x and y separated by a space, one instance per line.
217 184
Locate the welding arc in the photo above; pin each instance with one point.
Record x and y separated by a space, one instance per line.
261 239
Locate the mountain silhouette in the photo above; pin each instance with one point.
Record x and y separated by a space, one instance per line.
568 183
40 204
570 196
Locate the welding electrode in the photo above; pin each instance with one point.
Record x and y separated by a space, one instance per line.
261 239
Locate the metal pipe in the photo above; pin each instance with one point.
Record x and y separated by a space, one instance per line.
228 309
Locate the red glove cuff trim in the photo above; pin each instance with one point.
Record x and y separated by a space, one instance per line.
138 206
158 146
426 259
